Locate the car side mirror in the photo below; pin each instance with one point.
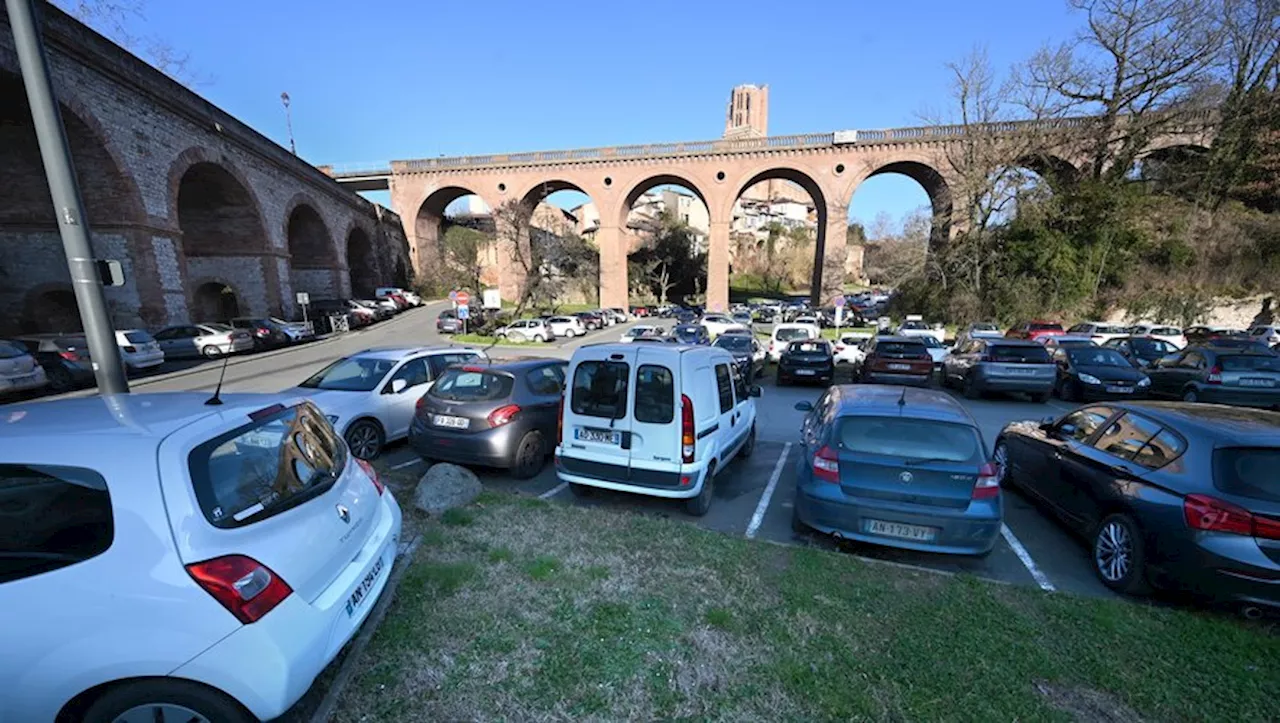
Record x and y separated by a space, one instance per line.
804 406
399 385
755 390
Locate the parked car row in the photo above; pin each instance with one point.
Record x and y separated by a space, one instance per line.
547 327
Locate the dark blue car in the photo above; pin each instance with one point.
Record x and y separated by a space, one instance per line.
690 334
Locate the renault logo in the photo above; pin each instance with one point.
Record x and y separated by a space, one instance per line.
906 477
344 513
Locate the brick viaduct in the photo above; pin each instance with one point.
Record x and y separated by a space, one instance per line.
829 166
209 218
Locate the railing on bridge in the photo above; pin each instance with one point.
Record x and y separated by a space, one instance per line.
652 150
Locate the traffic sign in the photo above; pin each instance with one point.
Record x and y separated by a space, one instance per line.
453 296
462 297
464 312
839 300
303 298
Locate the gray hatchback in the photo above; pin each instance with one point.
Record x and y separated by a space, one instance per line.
499 414
896 466
1000 365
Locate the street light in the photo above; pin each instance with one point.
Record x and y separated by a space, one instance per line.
288 119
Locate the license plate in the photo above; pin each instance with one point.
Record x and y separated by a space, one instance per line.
442 420
1247 382
900 367
605 436
897 529
362 590
1120 390
1020 372
806 372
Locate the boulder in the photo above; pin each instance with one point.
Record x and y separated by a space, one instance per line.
444 487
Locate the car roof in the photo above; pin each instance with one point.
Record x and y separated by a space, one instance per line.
1003 341
516 364
400 352
153 414
1232 425
898 339
883 400
621 348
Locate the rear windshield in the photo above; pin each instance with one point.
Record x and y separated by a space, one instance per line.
1248 472
9 350
267 466
915 439
655 395
901 348
1152 347
914 325
1095 357
600 389
1249 363
1165 331
138 337
734 342
1045 327
809 347
461 385
1020 354
789 334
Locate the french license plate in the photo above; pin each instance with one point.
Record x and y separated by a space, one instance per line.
806 372
900 367
362 590
443 420
897 529
605 436
1255 382
1020 372
1119 390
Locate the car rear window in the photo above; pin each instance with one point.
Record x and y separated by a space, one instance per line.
138 337
272 464
790 334
1019 354
9 350
809 347
1248 472
600 389
655 395
901 348
1045 327
1166 331
1249 363
915 439
464 385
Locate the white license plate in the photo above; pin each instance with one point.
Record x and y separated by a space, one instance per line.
900 367
897 529
1119 390
361 592
806 372
1257 382
443 420
1020 372
605 436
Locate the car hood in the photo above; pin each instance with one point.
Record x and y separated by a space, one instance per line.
1112 374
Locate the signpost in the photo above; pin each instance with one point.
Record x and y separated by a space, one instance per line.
462 298
303 299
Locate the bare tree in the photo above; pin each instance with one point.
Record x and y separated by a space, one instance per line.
121 20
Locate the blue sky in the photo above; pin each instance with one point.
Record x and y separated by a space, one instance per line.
405 79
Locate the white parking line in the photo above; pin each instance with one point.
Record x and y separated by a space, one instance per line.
1041 579
553 491
758 517
410 463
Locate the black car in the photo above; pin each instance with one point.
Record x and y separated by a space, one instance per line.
64 358
591 320
810 360
690 334
1172 495
266 333
746 353
1141 351
1088 373
1219 375
501 414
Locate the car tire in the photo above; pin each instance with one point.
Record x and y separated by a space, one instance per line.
701 504
1000 457
1119 535
144 698
365 439
581 490
748 446
971 390
1190 395
539 338
210 352
530 456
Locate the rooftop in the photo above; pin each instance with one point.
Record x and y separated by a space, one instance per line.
883 399
132 415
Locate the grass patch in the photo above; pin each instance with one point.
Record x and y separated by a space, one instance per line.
492 340
615 616
457 516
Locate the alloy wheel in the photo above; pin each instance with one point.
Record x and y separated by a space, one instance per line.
1113 551
1001 459
363 441
161 713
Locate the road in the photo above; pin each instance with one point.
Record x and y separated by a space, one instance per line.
1034 550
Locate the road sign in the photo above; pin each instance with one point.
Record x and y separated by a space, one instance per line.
492 299
464 312
453 296
110 272
839 301
463 298
303 298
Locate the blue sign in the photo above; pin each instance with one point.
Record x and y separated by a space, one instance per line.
464 312
453 296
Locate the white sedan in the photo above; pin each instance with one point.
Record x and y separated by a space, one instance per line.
1171 334
718 324
526 330
370 397
850 348
641 330
566 326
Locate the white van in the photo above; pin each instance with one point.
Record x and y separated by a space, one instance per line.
653 419
784 334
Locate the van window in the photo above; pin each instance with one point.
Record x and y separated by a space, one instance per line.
724 383
655 395
739 385
265 467
57 516
600 389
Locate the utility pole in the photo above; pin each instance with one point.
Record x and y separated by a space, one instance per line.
288 120
68 207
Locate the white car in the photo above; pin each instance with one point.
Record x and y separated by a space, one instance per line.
370 397
849 348
203 340
685 413
178 561
566 326
784 334
1268 335
139 349
1101 333
984 330
915 326
1171 334
526 330
640 330
718 324
19 371
937 351
409 296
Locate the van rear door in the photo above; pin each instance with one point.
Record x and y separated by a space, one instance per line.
655 420
597 419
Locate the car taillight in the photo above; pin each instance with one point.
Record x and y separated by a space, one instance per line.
503 415
418 405
131 349
373 475
826 465
839 349
988 484
560 422
1215 375
69 355
245 587
687 439
261 332
1203 512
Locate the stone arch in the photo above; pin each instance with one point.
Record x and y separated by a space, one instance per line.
185 161
51 308
313 261
361 263
614 274
535 218
648 183
820 201
935 187
428 226
215 299
1055 170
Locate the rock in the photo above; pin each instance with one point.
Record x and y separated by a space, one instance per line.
444 487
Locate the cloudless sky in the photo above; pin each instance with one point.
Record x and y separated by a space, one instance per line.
398 79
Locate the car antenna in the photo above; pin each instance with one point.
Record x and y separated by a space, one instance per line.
216 399
902 400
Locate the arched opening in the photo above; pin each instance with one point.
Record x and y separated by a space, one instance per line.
52 312
1056 172
898 213
215 301
223 237
360 264
666 231
555 247
31 254
1175 169
312 260
776 220
453 240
